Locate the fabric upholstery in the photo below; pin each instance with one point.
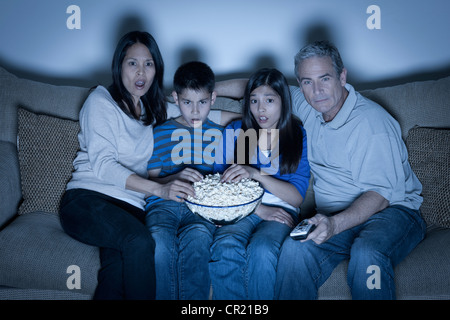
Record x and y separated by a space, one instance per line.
429 156
47 147
40 294
421 103
423 274
42 98
10 193
36 252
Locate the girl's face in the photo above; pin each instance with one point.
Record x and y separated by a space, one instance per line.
138 71
265 105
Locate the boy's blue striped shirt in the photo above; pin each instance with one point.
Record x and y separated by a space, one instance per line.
177 146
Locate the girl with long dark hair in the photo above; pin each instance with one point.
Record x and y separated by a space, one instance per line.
245 254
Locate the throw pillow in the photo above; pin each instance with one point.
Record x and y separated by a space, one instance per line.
47 147
429 156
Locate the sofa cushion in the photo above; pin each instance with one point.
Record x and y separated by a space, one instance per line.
43 98
429 155
423 274
419 103
35 253
10 194
47 147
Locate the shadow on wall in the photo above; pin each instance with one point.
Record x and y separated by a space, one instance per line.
317 31
263 60
102 76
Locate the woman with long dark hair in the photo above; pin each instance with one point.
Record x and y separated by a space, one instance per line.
104 200
245 254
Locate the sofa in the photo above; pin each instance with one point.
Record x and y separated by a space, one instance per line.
38 142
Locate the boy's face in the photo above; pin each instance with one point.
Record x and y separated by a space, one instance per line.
194 106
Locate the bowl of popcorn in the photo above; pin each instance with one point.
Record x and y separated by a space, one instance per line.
224 203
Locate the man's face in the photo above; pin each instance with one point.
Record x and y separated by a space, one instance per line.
322 87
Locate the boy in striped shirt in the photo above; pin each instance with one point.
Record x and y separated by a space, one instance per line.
184 150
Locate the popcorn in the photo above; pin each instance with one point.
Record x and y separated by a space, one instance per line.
224 203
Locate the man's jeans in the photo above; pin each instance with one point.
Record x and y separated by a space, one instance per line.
244 258
374 249
182 253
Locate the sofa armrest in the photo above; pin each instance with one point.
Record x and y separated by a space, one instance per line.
10 190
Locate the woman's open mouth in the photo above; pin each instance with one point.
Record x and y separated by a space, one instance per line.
140 84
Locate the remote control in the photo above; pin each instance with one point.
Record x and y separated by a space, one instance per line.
302 230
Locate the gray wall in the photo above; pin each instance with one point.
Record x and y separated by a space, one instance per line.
233 36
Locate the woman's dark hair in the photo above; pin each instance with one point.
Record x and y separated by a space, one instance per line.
289 126
154 100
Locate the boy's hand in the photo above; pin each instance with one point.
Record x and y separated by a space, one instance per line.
189 175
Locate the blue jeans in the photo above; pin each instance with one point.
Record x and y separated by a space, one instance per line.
244 258
126 247
182 253
374 249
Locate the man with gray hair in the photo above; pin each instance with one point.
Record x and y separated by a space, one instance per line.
367 197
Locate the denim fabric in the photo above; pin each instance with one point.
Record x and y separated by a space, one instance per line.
126 247
244 258
182 253
374 249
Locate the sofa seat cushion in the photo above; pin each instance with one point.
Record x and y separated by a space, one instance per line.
36 253
10 191
7 293
423 274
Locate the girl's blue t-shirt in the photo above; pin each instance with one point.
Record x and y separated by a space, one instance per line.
266 163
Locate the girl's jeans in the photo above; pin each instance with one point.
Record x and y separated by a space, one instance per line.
244 258
374 249
126 247
182 253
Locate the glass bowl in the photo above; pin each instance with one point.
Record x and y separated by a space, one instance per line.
224 215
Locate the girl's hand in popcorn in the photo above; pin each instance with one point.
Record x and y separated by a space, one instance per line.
237 172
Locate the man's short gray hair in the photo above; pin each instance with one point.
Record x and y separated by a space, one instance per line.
319 49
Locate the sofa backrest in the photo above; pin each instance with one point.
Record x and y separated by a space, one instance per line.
60 101
416 104
422 104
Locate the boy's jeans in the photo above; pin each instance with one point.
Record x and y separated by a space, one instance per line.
244 258
182 251
374 249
